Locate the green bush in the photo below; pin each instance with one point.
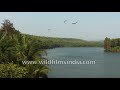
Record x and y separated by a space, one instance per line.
12 71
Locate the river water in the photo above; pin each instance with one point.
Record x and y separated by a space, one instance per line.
107 65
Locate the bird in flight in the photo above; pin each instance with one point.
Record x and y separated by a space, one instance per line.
75 22
65 21
49 29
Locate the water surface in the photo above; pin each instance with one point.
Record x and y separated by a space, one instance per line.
106 64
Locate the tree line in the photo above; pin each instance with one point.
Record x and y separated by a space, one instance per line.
55 42
112 45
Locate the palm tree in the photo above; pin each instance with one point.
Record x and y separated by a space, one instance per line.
30 50
16 47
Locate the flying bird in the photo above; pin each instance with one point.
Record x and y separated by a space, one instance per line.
75 22
65 21
49 29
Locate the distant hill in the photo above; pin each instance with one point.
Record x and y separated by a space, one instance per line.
52 42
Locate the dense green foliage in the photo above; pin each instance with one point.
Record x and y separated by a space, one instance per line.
11 70
50 42
112 45
15 48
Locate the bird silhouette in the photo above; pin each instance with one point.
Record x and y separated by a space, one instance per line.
49 29
65 21
75 22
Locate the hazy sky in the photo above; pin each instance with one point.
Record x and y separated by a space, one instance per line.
91 25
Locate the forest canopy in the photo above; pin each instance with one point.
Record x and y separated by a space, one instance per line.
54 42
112 45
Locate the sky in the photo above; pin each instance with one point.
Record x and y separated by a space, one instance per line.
90 26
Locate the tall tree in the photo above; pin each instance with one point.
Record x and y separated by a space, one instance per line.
15 48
